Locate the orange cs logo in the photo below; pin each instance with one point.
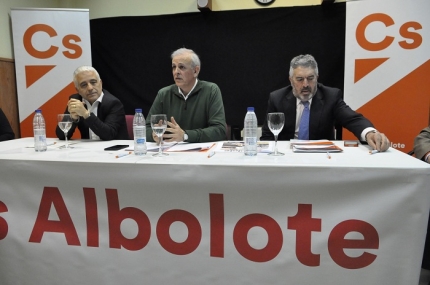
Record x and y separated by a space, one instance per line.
407 31
69 42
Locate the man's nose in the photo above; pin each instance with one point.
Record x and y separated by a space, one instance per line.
305 82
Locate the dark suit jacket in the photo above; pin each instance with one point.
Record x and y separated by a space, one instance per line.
422 143
6 132
109 124
421 147
327 109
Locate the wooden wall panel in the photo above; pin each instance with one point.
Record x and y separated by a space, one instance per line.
8 94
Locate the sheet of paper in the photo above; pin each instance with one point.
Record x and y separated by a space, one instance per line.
152 146
237 146
316 148
55 144
191 147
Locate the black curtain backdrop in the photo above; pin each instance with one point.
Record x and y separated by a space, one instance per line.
246 52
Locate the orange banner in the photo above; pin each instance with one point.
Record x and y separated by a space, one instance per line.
386 67
49 44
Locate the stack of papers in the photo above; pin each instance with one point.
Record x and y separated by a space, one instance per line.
55 144
178 147
314 146
237 146
190 147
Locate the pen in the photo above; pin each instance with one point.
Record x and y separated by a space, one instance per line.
328 155
373 151
123 154
212 153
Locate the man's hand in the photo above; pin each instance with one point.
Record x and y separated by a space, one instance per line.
77 109
377 141
173 132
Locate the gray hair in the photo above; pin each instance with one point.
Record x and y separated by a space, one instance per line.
306 60
82 69
195 60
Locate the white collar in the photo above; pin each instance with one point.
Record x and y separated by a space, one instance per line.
186 96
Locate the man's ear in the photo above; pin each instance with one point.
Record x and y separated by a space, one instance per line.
196 70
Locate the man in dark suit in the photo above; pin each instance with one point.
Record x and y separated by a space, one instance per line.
422 151
95 112
422 145
326 107
6 132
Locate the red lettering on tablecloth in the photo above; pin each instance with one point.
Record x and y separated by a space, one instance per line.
216 203
194 232
91 217
51 196
274 232
304 225
337 243
117 215
3 223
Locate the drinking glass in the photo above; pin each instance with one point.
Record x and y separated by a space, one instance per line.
65 123
159 125
275 122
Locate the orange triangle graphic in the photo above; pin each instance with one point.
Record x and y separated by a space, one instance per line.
365 66
35 72
56 105
401 111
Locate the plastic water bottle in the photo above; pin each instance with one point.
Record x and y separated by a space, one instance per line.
139 132
250 133
39 131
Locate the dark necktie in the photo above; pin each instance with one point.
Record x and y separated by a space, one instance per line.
304 122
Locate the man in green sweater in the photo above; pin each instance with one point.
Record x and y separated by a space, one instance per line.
195 107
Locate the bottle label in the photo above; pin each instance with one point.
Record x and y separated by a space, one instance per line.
140 140
251 141
39 135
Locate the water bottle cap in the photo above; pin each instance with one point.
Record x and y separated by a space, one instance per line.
250 109
138 110
38 111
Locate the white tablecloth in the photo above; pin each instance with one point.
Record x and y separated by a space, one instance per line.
83 216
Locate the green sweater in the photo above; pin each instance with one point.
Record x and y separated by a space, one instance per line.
201 116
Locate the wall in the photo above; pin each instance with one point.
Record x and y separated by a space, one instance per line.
113 8
139 8
102 9
6 44
8 97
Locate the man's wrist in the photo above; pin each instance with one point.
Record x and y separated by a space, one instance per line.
185 138
372 131
427 156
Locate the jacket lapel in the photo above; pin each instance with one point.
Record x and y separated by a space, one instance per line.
315 116
289 105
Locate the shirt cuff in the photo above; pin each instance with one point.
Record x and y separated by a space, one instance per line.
426 157
365 131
